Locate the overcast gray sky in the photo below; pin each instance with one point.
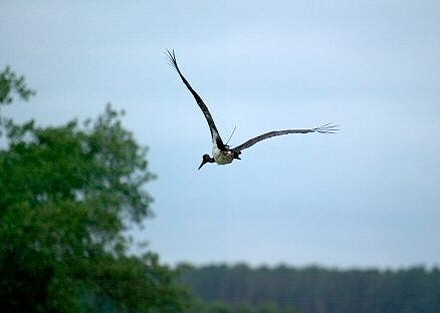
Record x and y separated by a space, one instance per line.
368 196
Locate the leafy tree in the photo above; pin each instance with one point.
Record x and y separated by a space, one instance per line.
9 83
67 194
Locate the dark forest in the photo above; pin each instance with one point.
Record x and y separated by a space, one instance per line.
315 289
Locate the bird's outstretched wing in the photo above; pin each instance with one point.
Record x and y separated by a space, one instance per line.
214 132
324 129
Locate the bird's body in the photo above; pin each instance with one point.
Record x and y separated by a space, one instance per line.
222 157
222 153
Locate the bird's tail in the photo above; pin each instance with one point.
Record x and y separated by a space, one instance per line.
237 155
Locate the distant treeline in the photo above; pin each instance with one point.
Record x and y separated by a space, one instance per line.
314 289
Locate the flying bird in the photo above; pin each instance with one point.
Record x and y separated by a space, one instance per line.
221 152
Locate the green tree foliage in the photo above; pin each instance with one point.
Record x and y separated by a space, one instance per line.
314 289
67 194
226 307
10 83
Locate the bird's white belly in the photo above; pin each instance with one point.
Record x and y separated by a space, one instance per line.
222 157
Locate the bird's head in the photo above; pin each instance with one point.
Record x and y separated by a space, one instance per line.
206 159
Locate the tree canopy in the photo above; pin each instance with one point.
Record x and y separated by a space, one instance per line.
68 194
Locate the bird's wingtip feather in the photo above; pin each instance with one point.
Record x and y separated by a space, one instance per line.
329 128
171 56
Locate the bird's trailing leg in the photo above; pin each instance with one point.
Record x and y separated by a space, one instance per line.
233 131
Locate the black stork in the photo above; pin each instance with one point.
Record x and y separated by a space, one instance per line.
221 152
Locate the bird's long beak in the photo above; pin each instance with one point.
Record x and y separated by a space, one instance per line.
203 163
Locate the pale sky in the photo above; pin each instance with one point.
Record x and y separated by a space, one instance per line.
368 196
